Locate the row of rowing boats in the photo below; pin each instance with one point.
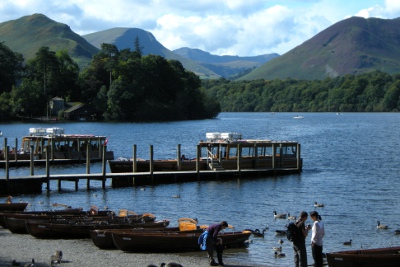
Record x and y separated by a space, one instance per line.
126 231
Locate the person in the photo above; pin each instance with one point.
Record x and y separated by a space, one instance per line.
299 243
212 241
184 157
318 232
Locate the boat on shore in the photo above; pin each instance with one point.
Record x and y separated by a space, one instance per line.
78 229
63 148
377 257
102 238
158 242
222 151
13 206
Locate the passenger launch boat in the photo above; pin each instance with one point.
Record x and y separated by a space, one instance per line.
222 151
63 148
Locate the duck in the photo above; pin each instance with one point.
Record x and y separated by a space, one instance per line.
279 254
347 243
280 241
279 216
280 232
176 196
397 232
381 226
31 264
279 249
257 232
171 264
320 205
291 218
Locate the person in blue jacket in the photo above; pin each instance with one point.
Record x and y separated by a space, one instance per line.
213 242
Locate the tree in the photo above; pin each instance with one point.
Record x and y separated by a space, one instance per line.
11 68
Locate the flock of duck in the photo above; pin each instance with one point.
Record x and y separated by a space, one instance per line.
278 250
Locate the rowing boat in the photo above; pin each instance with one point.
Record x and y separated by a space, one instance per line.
155 242
377 257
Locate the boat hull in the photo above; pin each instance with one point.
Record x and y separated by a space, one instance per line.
81 230
170 241
103 238
380 257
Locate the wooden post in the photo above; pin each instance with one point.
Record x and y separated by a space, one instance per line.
151 164
273 156
76 184
239 157
298 156
88 151
255 156
280 155
32 171
16 150
178 157
134 163
103 160
6 157
52 149
48 168
59 184
198 153
79 149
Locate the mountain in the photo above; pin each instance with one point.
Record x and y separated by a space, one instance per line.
27 34
351 46
125 38
224 65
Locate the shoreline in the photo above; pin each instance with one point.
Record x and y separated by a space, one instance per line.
82 252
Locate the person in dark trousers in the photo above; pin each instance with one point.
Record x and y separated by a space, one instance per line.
318 232
299 243
213 242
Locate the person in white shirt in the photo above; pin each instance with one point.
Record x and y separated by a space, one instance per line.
318 232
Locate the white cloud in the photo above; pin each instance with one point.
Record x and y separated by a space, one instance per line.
236 27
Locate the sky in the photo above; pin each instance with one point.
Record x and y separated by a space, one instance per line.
221 27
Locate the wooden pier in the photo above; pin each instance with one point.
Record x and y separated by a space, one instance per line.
33 183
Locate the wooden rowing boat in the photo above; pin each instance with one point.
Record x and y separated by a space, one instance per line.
13 206
81 229
377 257
171 241
103 238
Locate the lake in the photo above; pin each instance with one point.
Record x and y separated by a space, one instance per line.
351 163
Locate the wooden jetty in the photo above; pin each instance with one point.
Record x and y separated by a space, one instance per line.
33 183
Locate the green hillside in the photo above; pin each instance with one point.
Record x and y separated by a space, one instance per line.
27 34
125 37
351 46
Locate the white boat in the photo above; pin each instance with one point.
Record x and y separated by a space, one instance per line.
63 148
298 117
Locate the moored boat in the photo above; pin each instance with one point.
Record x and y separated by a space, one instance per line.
223 151
63 148
377 257
81 229
103 238
13 206
155 242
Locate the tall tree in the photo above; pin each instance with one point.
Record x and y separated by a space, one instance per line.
10 68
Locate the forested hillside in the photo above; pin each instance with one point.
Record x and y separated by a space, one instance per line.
371 92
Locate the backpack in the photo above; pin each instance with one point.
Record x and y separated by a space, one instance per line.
292 231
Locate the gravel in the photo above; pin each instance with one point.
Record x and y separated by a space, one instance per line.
24 248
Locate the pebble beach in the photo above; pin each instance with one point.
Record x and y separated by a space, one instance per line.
82 252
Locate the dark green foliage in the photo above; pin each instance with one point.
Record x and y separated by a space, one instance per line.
144 88
10 68
370 92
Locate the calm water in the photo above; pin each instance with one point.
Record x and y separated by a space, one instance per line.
351 164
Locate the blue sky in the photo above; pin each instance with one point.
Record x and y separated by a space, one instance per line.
221 27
